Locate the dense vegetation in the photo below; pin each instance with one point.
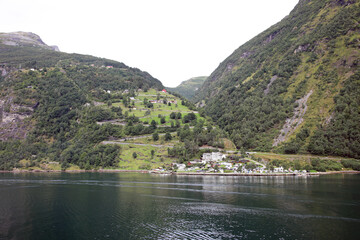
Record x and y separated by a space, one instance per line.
189 87
64 130
66 111
320 165
342 135
59 92
82 68
312 51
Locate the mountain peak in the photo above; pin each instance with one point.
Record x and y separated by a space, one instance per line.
24 39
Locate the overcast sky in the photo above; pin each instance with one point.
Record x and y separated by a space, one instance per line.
173 40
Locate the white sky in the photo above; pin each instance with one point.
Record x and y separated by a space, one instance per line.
173 40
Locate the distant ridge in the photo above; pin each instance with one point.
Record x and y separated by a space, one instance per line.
25 39
189 87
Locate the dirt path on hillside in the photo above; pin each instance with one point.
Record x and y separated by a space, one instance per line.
137 144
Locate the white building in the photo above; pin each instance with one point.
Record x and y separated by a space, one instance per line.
278 170
180 167
214 156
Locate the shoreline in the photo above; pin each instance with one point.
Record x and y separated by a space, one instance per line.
183 173
269 174
72 171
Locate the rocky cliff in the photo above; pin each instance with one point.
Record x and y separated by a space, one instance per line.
24 39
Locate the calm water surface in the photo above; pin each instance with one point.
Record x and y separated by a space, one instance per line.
144 206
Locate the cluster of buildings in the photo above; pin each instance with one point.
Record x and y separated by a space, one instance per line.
214 161
219 162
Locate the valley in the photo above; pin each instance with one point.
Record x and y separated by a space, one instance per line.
260 138
293 90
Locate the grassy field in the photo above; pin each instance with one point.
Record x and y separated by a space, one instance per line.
293 157
144 160
148 114
161 141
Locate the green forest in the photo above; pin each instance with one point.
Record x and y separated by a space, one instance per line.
256 90
65 120
293 89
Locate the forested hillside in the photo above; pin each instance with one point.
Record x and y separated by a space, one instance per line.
189 87
49 104
294 87
61 111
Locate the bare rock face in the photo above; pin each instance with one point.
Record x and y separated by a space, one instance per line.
267 90
24 39
344 2
302 48
291 124
14 120
55 48
271 37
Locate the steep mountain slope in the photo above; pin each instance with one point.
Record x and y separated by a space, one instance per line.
60 111
289 88
49 99
189 87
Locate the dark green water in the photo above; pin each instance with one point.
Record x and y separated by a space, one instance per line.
144 206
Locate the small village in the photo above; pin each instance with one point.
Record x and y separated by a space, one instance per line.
217 162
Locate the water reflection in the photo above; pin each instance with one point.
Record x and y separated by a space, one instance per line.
144 206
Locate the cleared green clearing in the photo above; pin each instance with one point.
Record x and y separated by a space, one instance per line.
143 159
161 141
146 115
293 157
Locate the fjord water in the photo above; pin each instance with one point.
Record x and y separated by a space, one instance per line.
145 206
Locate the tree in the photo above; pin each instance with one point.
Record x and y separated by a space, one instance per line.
152 153
173 115
189 117
155 136
250 166
117 110
162 120
149 105
168 137
134 155
153 124
243 153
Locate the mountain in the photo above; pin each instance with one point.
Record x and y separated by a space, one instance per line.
293 88
189 87
69 111
25 39
49 100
